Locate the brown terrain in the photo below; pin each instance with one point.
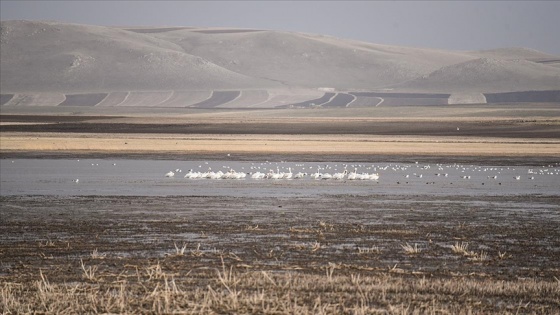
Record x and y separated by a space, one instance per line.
199 94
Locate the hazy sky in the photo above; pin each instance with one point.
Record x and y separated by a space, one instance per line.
457 25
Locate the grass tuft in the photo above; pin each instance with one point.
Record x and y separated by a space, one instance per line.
411 250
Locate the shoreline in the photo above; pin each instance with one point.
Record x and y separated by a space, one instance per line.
280 147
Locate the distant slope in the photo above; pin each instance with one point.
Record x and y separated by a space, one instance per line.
513 53
73 59
487 75
49 56
311 61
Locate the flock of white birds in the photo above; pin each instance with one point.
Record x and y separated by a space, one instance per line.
276 171
320 174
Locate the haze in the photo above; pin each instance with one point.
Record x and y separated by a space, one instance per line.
452 25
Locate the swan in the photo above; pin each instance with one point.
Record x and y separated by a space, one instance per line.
170 174
216 175
288 175
317 175
258 175
300 175
352 176
374 176
239 175
339 176
276 175
206 174
190 174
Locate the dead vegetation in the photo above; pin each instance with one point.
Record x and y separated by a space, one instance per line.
153 289
157 255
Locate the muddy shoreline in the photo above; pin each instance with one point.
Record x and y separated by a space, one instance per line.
506 129
275 233
429 159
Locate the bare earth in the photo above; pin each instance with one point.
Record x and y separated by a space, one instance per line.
243 134
340 254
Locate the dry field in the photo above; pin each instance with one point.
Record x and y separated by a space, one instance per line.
334 255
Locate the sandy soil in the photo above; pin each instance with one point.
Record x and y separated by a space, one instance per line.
238 134
120 144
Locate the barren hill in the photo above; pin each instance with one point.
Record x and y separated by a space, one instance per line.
487 75
53 63
51 56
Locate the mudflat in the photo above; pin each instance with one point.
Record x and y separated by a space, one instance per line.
343 252
245 133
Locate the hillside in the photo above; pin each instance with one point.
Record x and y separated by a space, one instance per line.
487 75
50 56
61 64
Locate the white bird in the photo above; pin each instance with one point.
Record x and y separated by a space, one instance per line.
352 176
288 175
517 177
317 175
239 175
192 174
276 175
300 175
339 176
76 180
258 175
170 174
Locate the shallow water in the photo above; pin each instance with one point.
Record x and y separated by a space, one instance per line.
147 178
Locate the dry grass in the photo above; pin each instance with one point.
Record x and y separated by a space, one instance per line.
96 255
88 272
369 250
411 250
226 290
462 249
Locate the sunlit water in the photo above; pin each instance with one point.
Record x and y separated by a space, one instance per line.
72 177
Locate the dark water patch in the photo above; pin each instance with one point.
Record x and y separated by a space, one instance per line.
5 98
400 95
51 119
551 96
403 101
218 98
340 100
506 129
314 102
90 99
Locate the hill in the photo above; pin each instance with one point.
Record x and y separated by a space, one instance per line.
60 64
